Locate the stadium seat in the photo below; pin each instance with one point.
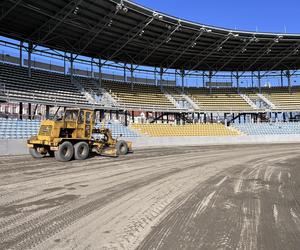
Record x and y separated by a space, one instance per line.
209 129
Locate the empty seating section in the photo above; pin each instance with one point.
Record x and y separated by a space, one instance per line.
138 96
23 129
42 86
268 128
158 130
18 129
281 97
218 99
119 129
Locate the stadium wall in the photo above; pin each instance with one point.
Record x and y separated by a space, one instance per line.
18 147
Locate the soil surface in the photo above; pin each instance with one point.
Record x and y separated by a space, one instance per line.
213 197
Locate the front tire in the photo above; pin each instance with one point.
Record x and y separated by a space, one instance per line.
81 151
122 148
65 152
35 153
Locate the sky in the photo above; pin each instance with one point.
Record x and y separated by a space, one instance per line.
255 15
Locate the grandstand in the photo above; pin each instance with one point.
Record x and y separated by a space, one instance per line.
133 75
278 128
158 130
219 100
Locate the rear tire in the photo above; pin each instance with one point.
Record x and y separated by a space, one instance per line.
122 148
65 152
81 151
35 153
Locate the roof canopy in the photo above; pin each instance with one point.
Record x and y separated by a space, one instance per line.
123 31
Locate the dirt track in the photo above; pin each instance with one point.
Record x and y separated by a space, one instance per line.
216 197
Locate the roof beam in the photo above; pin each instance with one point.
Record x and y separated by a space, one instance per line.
234 53
157 46
129 36
16 3
217 46
96 31
284 54
262 52
70 8
190 43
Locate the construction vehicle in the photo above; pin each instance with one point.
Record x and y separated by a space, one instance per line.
74 135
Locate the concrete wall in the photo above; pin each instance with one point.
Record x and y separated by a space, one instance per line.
18 147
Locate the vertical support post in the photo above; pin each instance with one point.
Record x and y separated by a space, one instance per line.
281 78
288 75
167 118
259 82
238 82
182 73
30 49
124 72
205 118
209 79
126 122
132 116
21 111
131 70
155 77
72 66
21 53
29 111
65 55
92 70
47 111
203 79
161 72
155 117
100 72
252 79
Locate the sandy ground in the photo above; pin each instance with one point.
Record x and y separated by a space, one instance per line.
214 197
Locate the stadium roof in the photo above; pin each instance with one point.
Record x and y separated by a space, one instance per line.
123 31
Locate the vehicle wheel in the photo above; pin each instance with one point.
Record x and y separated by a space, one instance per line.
122 148
65 152
81 151
35 153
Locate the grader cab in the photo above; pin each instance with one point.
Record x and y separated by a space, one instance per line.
75 136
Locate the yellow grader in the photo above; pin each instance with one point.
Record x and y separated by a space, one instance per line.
75 136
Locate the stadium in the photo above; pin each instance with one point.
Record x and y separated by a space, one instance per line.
213 115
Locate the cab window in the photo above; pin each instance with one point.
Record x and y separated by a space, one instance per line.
88 117
81 117
71 115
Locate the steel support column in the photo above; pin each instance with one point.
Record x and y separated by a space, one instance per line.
182 73
30 49
259 82
29 111
288 75
131 72
124 72
21 53
72 67
161 72
100 73
47 111
21 111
